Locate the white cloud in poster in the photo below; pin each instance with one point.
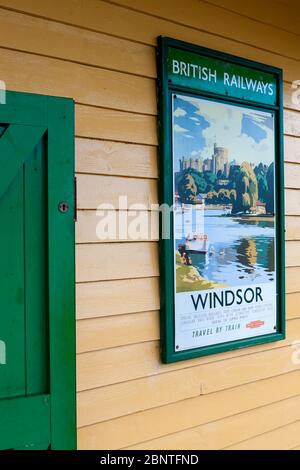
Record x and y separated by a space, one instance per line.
226 129
179 129
179 112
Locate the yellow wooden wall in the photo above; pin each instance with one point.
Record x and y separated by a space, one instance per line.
102 54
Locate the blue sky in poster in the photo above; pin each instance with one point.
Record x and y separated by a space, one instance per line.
198 123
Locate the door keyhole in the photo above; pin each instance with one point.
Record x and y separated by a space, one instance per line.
63 207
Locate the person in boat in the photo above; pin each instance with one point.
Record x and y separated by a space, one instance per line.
186 259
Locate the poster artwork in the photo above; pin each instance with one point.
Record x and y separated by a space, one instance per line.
224 222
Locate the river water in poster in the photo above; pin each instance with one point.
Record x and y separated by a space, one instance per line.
224 222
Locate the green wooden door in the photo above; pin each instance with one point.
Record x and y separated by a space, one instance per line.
37 347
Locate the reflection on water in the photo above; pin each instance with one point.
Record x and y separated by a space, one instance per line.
241 251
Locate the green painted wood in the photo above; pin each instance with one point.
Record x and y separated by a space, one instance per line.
41 445
24 108
36 293
16 145
22 417
37 285
62 273
12 323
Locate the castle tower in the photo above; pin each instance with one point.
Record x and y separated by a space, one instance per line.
221 159
181 163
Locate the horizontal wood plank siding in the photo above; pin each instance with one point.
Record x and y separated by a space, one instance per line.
100 157
120 126
103 54
90 229
141 360
98 262
285 437
109 190
205 16
96 299
164 420
221 434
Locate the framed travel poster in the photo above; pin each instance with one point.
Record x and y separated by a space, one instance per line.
221 195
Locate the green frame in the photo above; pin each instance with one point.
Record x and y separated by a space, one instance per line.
166 246
56 116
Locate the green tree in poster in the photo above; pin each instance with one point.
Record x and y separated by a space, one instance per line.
246 189
224 196
198 179
212 197
233 176
210 178
232 196
209 188
270 193
187 189
261 175
262 188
